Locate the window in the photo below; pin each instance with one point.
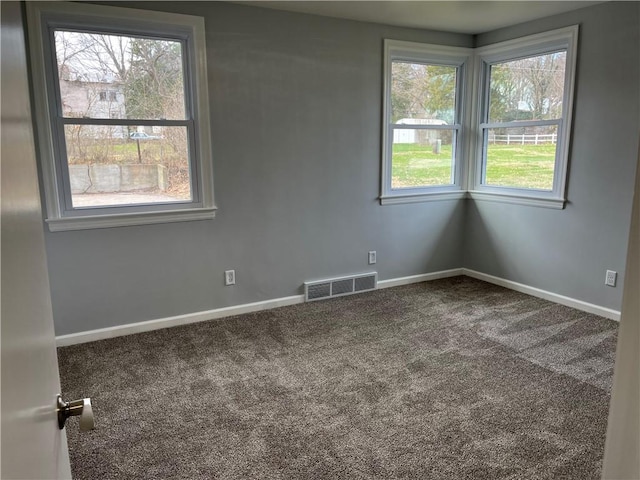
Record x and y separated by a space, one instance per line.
423 121
107 80
525 118
77 41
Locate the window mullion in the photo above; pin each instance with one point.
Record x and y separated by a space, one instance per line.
123 121
408 126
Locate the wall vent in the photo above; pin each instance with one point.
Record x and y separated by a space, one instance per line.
337 287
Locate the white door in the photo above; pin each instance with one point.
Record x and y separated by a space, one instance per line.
33 446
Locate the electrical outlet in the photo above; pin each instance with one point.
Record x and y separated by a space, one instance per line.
230 277
611 278
372 257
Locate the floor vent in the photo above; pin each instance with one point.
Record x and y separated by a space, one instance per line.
337 287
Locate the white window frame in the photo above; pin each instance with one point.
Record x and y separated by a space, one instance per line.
539 44
190 31
411 52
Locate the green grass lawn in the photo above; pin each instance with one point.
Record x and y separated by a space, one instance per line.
522 166
415 165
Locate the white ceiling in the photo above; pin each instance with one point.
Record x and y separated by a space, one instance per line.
446 15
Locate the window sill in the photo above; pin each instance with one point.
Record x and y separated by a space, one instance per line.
421 197
131 219
513 198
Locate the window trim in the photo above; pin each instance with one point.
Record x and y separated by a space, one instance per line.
126 21
460 57
538 44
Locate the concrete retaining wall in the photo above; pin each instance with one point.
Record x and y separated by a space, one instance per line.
117 178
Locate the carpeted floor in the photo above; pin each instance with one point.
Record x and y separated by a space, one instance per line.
451 379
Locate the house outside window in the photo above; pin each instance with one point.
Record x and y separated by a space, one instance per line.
104 90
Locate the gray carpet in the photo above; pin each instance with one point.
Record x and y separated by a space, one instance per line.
451 379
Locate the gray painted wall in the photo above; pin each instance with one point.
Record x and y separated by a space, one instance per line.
296 107
296 120
567 251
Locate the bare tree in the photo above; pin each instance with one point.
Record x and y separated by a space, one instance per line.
423 91
528 89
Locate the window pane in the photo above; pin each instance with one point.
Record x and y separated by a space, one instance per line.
115 76
422 158
423 93
527 89
521 157
120 165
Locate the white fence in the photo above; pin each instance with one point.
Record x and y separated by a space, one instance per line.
537 139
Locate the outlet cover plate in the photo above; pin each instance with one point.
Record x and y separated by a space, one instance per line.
611 278
229 277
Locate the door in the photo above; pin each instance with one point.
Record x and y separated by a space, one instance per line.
622 449
33 446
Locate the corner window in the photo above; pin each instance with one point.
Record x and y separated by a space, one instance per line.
122 115
525 118
423 121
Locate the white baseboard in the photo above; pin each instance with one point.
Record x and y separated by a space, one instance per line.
139 327
552 297
157 324
425 277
